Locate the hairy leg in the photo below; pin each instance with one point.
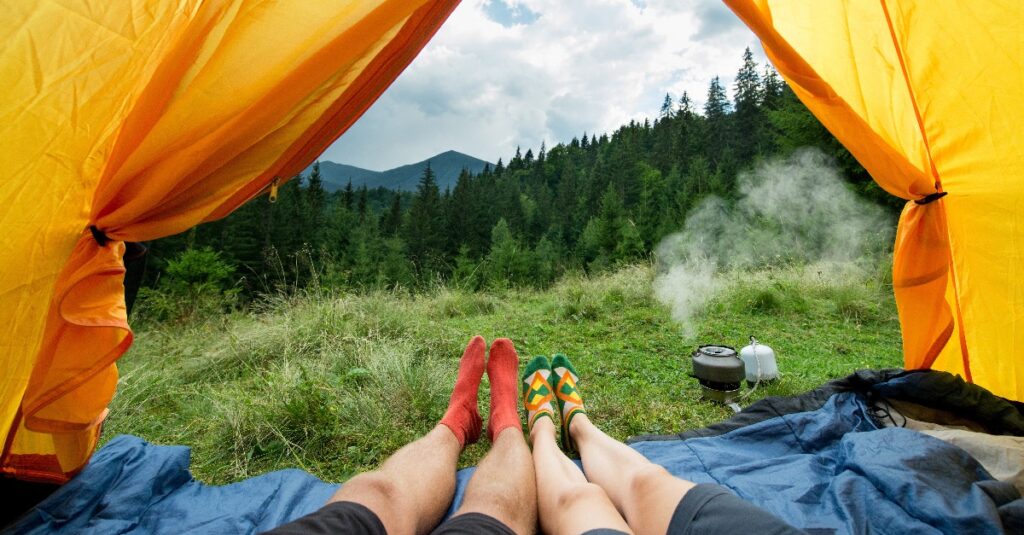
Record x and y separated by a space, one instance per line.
568 504
645 493
412 490
503 485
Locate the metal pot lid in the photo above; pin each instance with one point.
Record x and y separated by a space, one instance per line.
716 351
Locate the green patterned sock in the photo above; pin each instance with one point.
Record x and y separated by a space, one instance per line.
564 380
537 393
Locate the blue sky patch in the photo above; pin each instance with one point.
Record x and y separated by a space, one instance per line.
509 15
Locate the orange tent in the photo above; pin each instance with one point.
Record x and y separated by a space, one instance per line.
133 120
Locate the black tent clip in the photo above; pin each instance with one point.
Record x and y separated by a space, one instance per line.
931 197
101 238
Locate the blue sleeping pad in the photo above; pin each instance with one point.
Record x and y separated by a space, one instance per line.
829 470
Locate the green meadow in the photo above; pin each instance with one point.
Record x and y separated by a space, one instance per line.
334 382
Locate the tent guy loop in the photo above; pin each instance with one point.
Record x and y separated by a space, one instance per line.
931 197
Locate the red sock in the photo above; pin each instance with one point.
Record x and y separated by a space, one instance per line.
503 371
463 416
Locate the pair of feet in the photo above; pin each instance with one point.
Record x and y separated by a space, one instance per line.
502 366
544 384
547 382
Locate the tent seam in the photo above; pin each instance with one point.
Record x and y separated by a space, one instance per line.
912 96
961 329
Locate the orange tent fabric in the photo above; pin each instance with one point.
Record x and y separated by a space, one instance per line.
133 120
926 95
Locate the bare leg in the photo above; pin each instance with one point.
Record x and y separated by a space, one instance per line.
645 493
568 503
503 485
412 490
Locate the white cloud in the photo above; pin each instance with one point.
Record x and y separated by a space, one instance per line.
484 86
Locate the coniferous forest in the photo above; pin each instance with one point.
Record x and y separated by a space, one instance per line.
588 204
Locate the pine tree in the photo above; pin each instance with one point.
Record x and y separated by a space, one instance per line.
651 204
539 212
461 212
424 230
394 266
516 163
688 139
748 121
364 247
589 246
717 105
287 230
794 126
348 197
545 263
672 214
610 221
716 115
630 245
667 107
503 260
338 240
696 185
467 272
315 199
244 239
392 223
565 217
510 206
361 207
685 107
771 89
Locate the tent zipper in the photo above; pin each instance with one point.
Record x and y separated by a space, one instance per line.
273 189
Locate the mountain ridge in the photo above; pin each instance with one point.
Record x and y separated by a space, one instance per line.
446 166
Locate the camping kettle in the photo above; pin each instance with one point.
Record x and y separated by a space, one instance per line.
719 372
759 362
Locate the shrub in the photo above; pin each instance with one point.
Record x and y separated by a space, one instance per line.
854 303
197 284
766 296
577 301
458 304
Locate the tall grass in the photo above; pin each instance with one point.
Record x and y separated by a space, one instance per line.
842 291
334 383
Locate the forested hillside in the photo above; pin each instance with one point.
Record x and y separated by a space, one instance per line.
590 203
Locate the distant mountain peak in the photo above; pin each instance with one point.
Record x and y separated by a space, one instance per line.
446 165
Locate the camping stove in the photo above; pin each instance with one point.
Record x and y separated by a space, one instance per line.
719 372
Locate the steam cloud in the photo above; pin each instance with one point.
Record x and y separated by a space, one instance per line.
791 211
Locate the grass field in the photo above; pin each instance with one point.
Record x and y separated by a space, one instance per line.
333 384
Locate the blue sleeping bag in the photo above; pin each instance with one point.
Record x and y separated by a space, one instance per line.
832 469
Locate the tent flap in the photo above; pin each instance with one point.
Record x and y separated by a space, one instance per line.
920 93
182 111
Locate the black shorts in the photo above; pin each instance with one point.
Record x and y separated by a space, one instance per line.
709 508
356 519
706 508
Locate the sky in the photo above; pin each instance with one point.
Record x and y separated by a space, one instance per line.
506 73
